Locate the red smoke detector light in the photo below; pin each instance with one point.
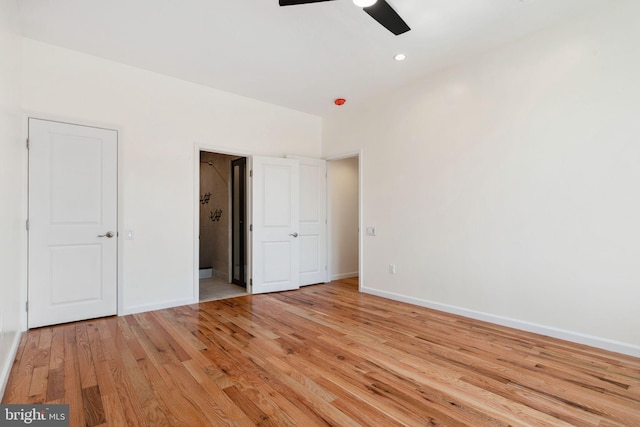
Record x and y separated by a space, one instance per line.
340 101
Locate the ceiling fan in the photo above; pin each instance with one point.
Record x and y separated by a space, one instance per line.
379 10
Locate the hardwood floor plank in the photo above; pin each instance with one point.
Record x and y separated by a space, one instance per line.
85 362
228 408
119 367
72 379
113 411
322 355
255 414
92 405
101 356
177 410
56 356
44 346
55 384
38 388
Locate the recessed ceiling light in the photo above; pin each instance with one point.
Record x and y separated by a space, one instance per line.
400 57
364 3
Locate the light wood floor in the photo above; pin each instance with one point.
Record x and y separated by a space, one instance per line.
323 355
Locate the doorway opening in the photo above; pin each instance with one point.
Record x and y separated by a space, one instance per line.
222 241
344 212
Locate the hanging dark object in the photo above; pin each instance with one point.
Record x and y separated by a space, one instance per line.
204 198
215 216
381 11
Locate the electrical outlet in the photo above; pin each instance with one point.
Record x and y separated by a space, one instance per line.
129 234
392 269
371 231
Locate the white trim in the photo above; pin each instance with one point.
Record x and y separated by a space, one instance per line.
344 275
205 273
576 337
8 363
159 306
361 282
344 155
229 274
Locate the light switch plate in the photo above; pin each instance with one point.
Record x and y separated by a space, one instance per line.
371 231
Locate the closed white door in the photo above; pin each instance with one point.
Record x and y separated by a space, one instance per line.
313 221
275 236
72 222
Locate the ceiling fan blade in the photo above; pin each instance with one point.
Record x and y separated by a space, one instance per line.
382 12
296 2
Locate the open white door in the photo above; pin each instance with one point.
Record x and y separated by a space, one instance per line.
275 243
72 222
313 221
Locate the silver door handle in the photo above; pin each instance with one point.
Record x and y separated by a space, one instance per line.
109 234
294 234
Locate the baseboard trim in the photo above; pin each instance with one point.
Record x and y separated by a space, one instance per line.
6 367
576 337
159 306
205 273
344 275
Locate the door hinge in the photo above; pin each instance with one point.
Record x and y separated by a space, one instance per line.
250 173
26 306
251 282
27 225
27 143
250 227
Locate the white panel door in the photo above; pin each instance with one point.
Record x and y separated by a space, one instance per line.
275 222
72 222
313 221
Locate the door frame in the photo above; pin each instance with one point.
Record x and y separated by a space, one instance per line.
30 114
198 147
360 155
242 201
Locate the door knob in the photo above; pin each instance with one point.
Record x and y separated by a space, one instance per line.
294 234
109 234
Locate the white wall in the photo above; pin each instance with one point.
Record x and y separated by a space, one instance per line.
342 189
161 120
507 187
12 194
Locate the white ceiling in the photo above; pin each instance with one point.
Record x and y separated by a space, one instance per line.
300 57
